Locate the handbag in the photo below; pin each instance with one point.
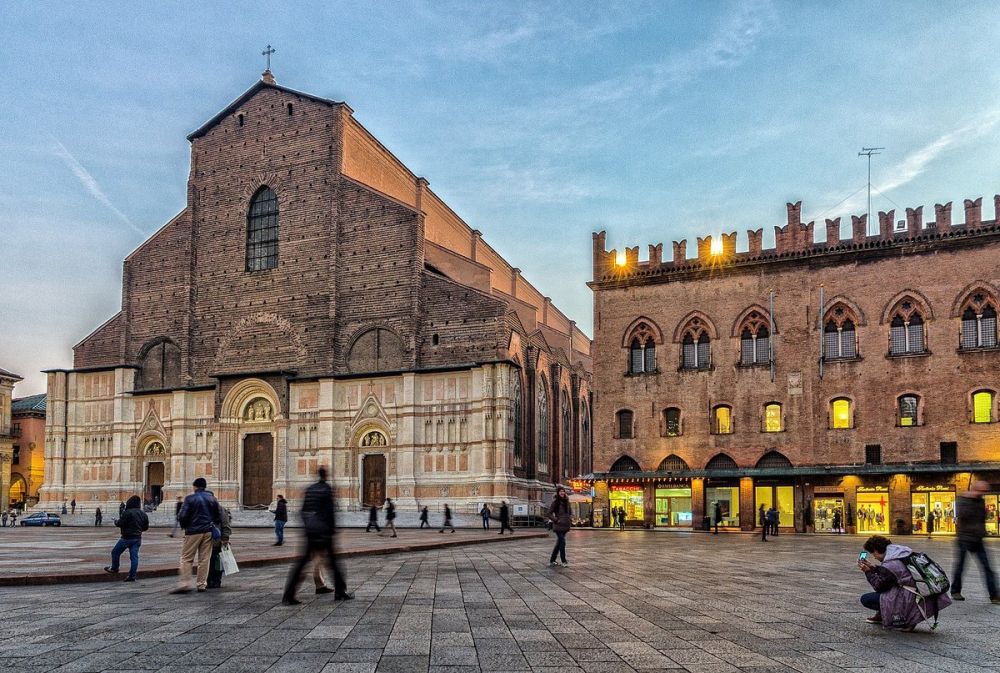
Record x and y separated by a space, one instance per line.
229 566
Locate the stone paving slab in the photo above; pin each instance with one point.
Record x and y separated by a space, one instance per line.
629 602
32 556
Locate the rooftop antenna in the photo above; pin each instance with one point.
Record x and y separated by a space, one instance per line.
868 152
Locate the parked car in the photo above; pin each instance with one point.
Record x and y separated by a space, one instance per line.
41 519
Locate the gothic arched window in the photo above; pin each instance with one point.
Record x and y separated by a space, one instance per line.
515 418
262 231
585 458
566 429
839 336
696 350
755 340
642 349
906 330
543 423
979 322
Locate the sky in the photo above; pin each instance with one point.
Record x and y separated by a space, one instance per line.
538 123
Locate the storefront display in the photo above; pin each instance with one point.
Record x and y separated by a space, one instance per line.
673 507
873 510
728 498
782 497
992 514
828 514
933 510
629 497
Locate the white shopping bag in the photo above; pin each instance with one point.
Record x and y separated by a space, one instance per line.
229 566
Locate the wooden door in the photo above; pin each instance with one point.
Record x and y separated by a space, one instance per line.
154 482
258 469
373 480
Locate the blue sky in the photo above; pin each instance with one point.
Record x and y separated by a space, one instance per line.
539 123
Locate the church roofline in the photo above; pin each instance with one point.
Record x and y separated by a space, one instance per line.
248 94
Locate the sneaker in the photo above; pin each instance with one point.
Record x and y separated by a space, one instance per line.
957 597
552 563
291 601
564 564
324 590
392 536
129 579
344 597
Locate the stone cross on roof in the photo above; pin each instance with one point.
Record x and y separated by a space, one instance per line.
267 76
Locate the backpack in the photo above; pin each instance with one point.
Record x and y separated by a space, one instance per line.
930 581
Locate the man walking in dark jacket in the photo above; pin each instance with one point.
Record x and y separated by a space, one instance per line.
280 519
319 524
199 516
505 517
133 523
373 519
971 523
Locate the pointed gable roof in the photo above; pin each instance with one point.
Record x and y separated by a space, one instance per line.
250 93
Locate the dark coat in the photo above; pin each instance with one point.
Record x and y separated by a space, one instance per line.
504 513
281 510
133 520
317 510
559 515
970 519
199 512
390 511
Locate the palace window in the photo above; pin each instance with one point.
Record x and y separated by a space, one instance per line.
772 417
543 422
840 414
906 330
982 406
697 353
624 422
840 341
755 340
979 322
671 422
909 405
722 420
642 350
262 231
873 454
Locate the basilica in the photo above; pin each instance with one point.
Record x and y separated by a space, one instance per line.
315 303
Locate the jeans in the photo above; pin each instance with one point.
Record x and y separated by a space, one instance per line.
871 601
979 551
486 523
133 555
560 548
279 531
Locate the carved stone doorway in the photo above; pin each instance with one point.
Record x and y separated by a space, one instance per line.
258 469
373 480
154 482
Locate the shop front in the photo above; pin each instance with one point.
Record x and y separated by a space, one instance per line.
727 495
872 510
673 506
829 514
627 497
780 496
992 522
933 510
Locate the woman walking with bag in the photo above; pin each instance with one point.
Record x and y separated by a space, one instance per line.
559 515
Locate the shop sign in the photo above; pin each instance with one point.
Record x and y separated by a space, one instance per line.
933 488
828 490
872 489
626 487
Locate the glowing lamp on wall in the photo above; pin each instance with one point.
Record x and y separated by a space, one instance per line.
620 259
716 247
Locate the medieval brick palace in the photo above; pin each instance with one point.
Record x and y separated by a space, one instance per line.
315 303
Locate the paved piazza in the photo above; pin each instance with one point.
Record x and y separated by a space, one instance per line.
629 601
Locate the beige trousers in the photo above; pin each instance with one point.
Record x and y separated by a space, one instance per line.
200 544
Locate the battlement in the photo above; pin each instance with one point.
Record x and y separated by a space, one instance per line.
795 239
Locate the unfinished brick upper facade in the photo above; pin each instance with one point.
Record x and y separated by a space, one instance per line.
701 318
385 313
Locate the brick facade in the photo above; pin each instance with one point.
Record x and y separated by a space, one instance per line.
358 329
933 270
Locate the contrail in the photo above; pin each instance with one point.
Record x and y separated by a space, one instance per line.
90 183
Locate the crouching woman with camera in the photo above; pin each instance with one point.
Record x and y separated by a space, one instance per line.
896 601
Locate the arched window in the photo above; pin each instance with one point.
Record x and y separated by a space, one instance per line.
979 322
623 419
671 422
982 406
722 420
755 340
909 408
649 357
262 231
672 463
772 417
160 366
635 360
774 459
840 340
566 429
840 414
515 418
697 353
906 330
543 422
585 460
626 464
642 349
722 462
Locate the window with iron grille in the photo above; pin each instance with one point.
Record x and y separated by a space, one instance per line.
690 353
908 406
839 341
515 394
755 340
906 330
704 352
543 422
873 454
649 357
624 424
262 231
949 453
979 329
672 421
635 357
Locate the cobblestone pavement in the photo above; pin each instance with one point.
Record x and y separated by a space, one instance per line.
629 601
73 553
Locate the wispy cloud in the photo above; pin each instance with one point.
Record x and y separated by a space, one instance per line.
89 183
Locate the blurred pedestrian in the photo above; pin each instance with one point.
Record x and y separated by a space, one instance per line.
133 523
177 515
3 518
424 523
447 519
72 504
215 563
559 515
717 515
485 513
98 517
280 519
773 519
373 520
319 523
65 509
200 517
505 517
762 521
390 516
121 509
971 520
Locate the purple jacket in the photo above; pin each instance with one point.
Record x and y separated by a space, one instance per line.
897 604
